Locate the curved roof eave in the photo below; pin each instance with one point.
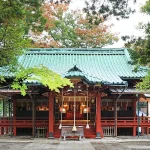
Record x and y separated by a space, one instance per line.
75 72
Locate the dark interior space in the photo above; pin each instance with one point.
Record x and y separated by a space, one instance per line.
24 131
125 131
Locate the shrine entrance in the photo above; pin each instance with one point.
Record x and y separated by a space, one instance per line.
84 108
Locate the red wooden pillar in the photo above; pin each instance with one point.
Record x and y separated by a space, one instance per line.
2 130
134 130
14 117
142 130
99 131
6 130
147 130
51 116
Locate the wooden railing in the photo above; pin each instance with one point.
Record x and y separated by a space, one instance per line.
126 121
23 122
106 121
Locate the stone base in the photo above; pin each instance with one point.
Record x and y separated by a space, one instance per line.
51 136
98 135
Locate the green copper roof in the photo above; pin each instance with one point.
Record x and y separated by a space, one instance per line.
76 72
108 66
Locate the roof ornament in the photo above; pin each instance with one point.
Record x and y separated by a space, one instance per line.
75 68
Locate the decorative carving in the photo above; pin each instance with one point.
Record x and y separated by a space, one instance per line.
103 94
46 94
81 93
68 94
92 94
58 94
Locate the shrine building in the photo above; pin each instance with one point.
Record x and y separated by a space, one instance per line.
103 100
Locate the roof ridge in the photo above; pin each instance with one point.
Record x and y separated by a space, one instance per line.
107 51
75 49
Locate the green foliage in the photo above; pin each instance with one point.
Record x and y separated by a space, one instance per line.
140 47
140 50
106 8
42 75
16 19
144 86
63 32
2 79
73 29
146 7
12 43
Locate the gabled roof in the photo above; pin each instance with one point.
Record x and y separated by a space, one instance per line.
75 72
108 66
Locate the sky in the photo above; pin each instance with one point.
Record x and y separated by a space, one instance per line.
124 26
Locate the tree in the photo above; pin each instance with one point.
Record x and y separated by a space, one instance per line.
42 75
73 29
17 18
106 8
14 26
140 50
144 86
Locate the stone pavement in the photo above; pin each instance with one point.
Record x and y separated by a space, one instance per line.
75 145
111 143
44 144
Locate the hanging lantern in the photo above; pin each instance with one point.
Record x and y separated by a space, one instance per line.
62 110
92 101
85 110
79 88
